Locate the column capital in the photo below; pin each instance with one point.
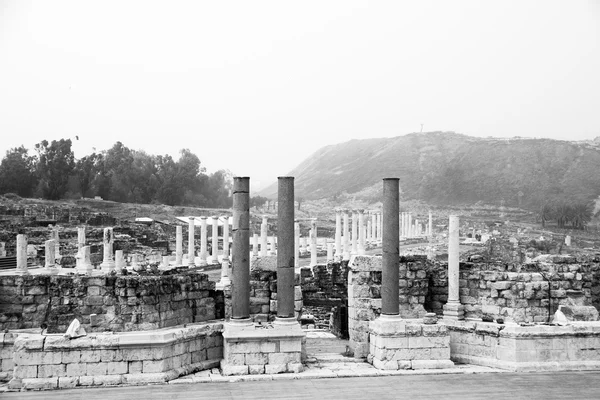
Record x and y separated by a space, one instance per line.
191 218
361 210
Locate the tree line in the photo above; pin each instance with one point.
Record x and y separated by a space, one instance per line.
119 174
573 215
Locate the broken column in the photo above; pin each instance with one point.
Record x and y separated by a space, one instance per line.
178 245
85 265
225 280
108 264
22 255
203 242
264 229
120 260
313 241
49 257
255 245
215 241
338 235
191 244
453 309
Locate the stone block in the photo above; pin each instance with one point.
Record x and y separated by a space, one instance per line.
69 357
295 367
25 371
108 380
39 383
98 368
256 369
117 367
86 380
228 370
275 368
256 358
52 370
431 364
284 358
134 367
286 346
391 365
67 382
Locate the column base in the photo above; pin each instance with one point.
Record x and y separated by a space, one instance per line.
50 270
454 311
107 266
223 283
400 344
22 272
250 349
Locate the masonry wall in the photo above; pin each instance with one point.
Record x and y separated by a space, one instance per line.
121 303
364 295
53 361
521 292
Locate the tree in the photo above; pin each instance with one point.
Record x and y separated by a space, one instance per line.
17 172
86 169
257 201
55 165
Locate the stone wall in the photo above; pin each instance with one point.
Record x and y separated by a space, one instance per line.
121 303
53 361
364 295
526 348
519 292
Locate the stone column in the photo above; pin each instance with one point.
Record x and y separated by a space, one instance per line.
273 247
378 226
80 237
346 255
354 232
49 257
330 252
264 229
313 242
391 256
338 235
255 245
240 293
430 230
403 225
368 232
296 244
285 254
361 231
215 240
203 242
56 243
410 229
225 280
120 260
2 249
165 262
453 309
191 244
178 245
85 264
373 226
22 255
108 263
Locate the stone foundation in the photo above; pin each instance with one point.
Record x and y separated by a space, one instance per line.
396 343
53 361
526 348
271 349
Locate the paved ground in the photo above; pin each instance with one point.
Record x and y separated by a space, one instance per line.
506 386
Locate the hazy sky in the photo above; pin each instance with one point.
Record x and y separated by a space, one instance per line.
257 86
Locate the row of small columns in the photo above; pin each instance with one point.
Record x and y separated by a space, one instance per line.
410 228
390 306
346 243
240 292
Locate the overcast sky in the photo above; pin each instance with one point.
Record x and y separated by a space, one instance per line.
258 86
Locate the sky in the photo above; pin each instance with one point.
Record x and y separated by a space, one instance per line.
258 86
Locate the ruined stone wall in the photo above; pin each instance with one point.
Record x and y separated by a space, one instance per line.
121 303
521 292
364 295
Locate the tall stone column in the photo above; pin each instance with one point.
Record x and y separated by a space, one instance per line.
354 232
379 226
402 225
191 244
120 260
313 242
215 240
264 229
178 245
255 245
296 244
85 264
410 234
430 229
22 255
391 256
338 235
240 293
80 237
49 257
225 280
285 254
361 232
56 243
203 241
373 226
346 236
108 263
453 309
368 231
330 252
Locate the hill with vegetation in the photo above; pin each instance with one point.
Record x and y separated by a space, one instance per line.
450 168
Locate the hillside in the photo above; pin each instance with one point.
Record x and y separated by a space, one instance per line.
450 168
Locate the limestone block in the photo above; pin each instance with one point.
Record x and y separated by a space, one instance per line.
69 357
275 368
142 379
214 353
286 346
28 358
228 370
98 368
67 382
77 369
108 380
268 347
134 367
295 367
284 358
86 380
385 365
39 383
152 366
117 368
25 371
256 358
256 369
51 370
